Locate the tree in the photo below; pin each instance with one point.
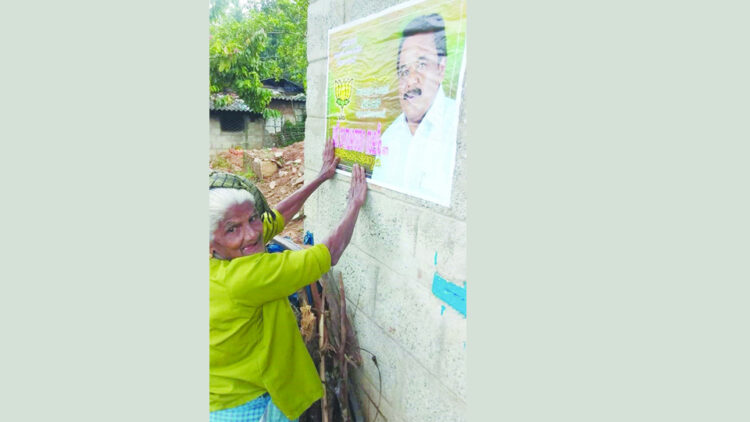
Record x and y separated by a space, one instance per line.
221 10
216 9
248 45
285 22
235 64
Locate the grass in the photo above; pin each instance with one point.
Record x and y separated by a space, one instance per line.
249 175
220 163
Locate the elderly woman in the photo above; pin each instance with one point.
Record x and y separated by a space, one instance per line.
259 365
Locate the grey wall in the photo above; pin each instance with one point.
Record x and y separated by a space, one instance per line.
388 269
252 137
257 132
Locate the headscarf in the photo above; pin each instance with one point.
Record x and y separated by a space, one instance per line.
220 179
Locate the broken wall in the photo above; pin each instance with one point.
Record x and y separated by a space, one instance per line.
402 248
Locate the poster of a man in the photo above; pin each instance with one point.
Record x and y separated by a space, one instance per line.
394 91
421 141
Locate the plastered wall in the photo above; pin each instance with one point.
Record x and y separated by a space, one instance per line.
251 137
401 246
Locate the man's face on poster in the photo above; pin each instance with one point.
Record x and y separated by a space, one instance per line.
420 72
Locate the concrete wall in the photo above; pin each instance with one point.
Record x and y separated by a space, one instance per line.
257 132
287 108
399 244
290 111
251 137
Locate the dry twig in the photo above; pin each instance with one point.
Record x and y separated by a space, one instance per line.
321 351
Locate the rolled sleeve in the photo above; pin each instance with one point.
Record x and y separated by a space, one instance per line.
272 227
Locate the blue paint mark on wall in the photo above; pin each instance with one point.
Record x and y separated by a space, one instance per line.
453 295
436 258
442 309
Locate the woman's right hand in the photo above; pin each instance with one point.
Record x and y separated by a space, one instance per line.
358 186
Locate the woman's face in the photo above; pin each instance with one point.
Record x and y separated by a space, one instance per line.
240 233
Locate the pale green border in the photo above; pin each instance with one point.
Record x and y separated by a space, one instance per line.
105 133
98 321
608 211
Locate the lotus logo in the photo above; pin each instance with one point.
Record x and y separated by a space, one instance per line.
342 89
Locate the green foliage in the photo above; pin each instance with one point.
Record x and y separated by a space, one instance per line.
224 10
251 44
270 113
220 163
291 133
249 175
235 64
216 9
285 22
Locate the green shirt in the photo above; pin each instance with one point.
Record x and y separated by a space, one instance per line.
255 344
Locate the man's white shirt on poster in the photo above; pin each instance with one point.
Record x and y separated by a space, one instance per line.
421 164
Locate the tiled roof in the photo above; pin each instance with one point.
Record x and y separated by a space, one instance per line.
231 107
279 94
236 105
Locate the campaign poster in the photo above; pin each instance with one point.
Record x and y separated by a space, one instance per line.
394 91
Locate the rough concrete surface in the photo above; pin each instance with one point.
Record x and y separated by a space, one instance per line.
316 88
410 389
434 336
389 266
322 16
371 399
361 274
447 246
315 132
357 9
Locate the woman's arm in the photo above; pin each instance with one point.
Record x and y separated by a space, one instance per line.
257 279
293 203
260 278
338 240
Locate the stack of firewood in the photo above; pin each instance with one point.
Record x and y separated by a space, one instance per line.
332 343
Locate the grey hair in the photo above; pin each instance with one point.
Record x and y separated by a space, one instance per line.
219 201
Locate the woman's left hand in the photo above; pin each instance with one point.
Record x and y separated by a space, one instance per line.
330 161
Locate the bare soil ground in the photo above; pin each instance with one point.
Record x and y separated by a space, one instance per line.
287 178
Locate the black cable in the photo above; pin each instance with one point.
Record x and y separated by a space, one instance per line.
380 382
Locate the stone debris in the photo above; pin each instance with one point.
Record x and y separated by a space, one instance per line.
277 163
275 183
264 168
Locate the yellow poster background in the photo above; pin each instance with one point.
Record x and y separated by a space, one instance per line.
362 85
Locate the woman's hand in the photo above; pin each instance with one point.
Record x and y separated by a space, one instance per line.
339 238
290 206
358 186
330 161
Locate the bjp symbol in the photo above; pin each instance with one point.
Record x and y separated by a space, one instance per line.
343 92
